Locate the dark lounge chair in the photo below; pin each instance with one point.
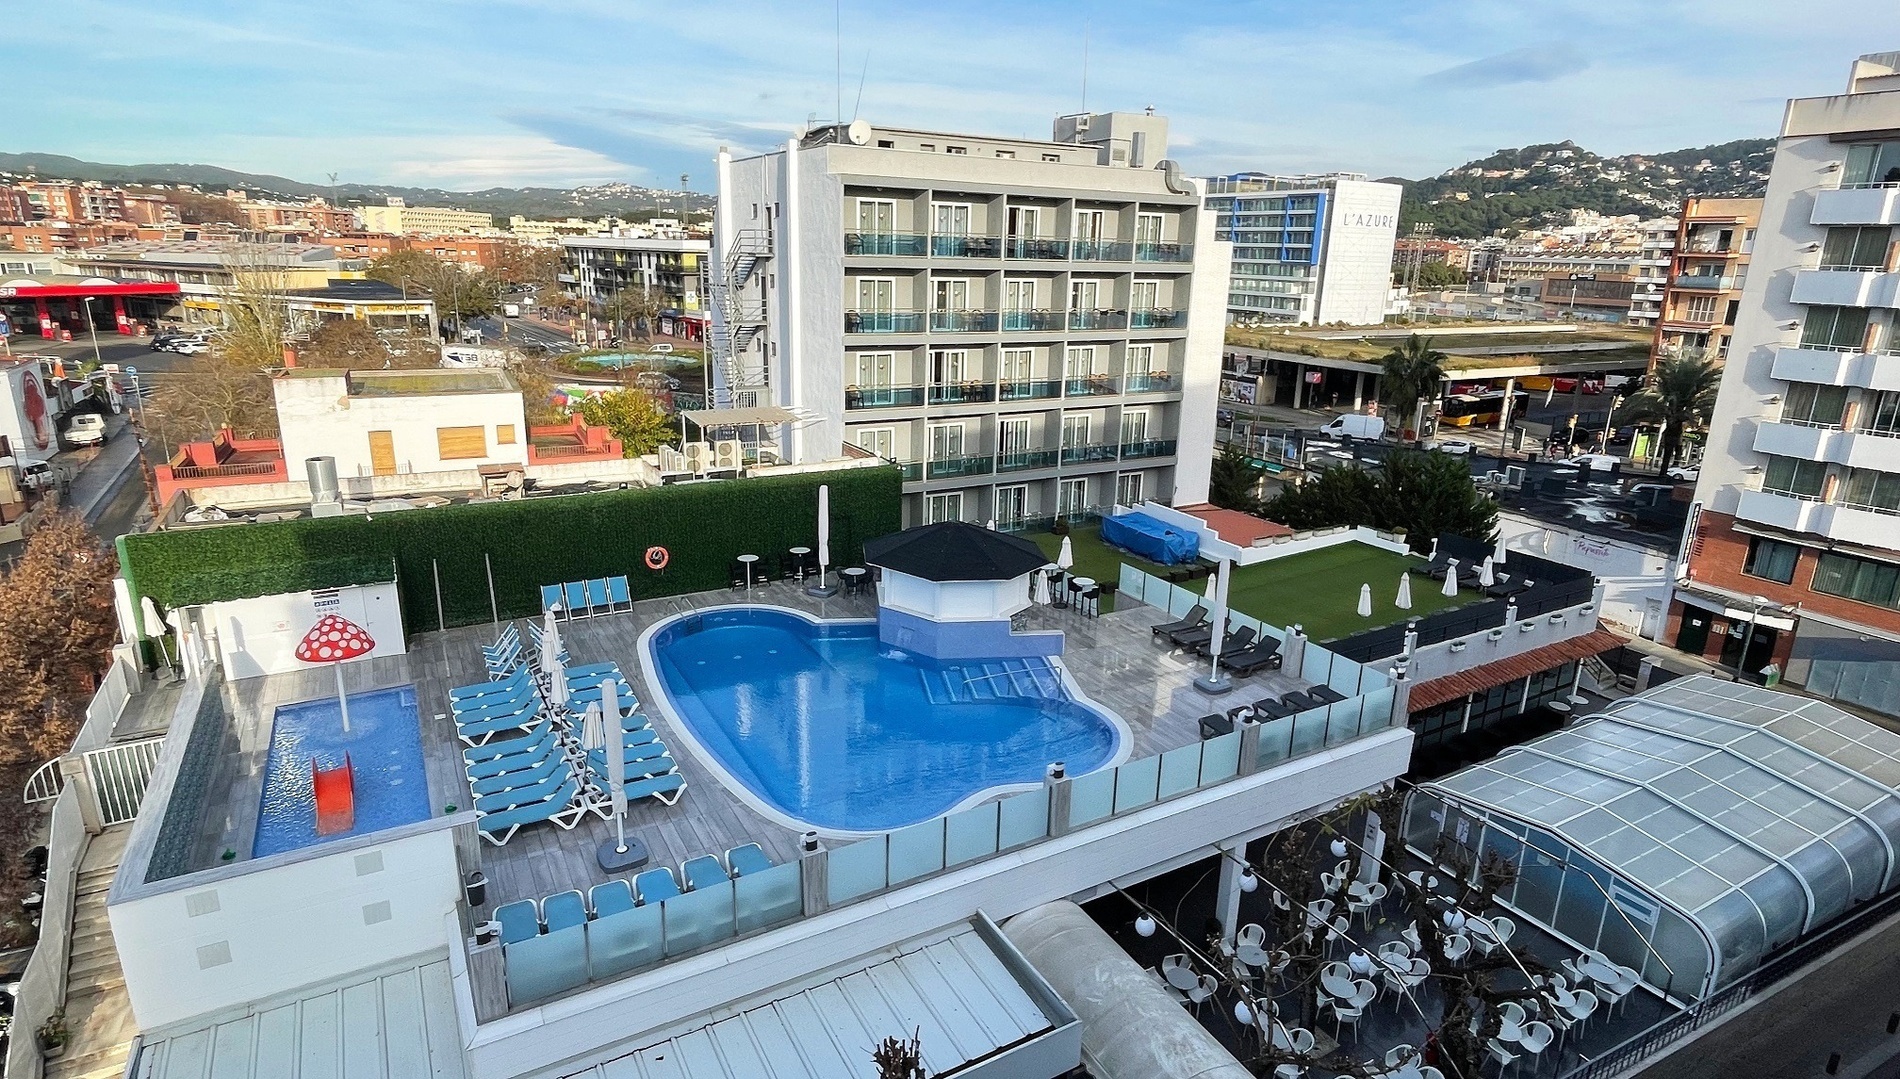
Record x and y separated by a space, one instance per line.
1236 642
1299 702
1215 724
1192 638
1267 708
1325 694
1194 618
1261 657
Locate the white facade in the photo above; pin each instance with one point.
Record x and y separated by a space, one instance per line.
1311 250
1028 328
427 420
596 267
953 601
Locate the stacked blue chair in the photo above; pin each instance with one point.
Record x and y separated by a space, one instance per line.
582 599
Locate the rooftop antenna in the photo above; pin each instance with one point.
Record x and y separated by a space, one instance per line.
1085 67
862 72
837 57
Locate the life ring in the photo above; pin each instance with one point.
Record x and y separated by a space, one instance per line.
657 558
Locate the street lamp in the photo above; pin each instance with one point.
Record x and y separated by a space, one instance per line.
94 331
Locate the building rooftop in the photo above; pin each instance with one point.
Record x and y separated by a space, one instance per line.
955 551
417 383
358 289
208 252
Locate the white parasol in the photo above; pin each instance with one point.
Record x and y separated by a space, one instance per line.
1042 587
593 730
616 762
992 525
1365 601
155 628
1065 557
1404 602
1487 573
1451 578
550 640
824 531
1499 553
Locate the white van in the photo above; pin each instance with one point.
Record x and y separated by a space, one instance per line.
1355 425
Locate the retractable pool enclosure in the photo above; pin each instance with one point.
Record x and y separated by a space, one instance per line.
1687 832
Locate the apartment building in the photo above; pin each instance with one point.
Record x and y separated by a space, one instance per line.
1029 327
398 216
1652 272
1707 273
1792 551
595 267
1309 250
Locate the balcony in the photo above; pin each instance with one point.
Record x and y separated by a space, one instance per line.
1022 460
1156 318
1847 288
966 247
883 322
1707 246
1855 449
882 397
1089 386
1149 382
1711 282
1148 447
1838 367
1034 321
963 321
913 471
1156 252
1102 250
1029 390
894 244
1086 454
962 393
1797 513
1098 320
1017 247
952 467
1857 206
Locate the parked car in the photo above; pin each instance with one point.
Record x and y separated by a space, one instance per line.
661 349
86 429
191 346
1455 445
1595 462
1681 473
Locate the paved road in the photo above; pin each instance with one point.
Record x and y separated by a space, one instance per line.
522 332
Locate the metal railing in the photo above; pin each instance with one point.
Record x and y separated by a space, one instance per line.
1103 250
1030 247
1019 460
45 783
1098 320
962 393
1029 390
119 775
883 397
1095 451
1148 447
1159 252
966 247
1704 281
193 472
895 244
1089 386
883 321
952 467
1149 382
1156 318
1031 321
963 321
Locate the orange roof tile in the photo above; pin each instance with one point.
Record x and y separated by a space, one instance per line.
1478 679
1240 529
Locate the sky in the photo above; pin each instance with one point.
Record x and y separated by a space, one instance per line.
467 94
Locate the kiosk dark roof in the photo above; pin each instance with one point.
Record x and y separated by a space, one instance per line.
955 551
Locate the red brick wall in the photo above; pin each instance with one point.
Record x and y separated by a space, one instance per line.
1718 553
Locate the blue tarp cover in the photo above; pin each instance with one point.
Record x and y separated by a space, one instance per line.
1156 541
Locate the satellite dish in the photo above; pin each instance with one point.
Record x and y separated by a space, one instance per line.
859 132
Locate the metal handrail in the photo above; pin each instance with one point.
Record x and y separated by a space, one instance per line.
45 783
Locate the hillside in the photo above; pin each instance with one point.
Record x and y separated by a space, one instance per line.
1515 188
540 202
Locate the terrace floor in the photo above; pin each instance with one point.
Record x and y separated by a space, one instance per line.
1112 658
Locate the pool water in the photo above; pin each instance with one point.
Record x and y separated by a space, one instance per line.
385 749
829 727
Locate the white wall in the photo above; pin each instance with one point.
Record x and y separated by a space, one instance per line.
954 601
283 927
1356 266
21 435
1513 639
1635 578
1200 381
260 636
317 418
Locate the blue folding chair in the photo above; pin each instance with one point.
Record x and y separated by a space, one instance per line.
551 599
576 598
619 597
656 885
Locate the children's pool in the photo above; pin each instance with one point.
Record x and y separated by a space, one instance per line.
819 723
384 745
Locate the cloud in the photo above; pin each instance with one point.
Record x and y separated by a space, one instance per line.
1533 63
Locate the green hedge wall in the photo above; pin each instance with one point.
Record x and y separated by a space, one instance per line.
530 543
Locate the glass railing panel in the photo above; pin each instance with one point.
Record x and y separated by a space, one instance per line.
913 471
1377 714
631 939
960 466
1153 447
1016 462
966 247
1150 382
1098 320
1102 250
1220 758
1136 783
1030 390
701 917
883 321
545 965
1091 797
1089 386
1156 318
855 870
1276 741
910 244
1309 731
1180 771
1158 252
1073 455
1344 677
1342 721
971 834
882 397
765 899
963 321
962 393
1022 818
1034 321
916 851
1316 665
1018 247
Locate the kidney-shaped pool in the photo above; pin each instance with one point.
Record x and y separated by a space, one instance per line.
819 724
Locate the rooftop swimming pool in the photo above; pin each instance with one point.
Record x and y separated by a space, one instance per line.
821 725
384 745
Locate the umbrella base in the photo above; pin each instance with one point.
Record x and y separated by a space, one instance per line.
613 860
1214 688
823 591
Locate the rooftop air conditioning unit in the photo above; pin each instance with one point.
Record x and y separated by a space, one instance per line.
728 456
698 457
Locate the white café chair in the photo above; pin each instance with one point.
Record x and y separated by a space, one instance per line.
1250 945
1537 1038
1583 1005
1427 1071
1410 936
1511 1021
1200 994
1457 946
1289 1071
1170 964
1345 1014
1500 1053
1503 928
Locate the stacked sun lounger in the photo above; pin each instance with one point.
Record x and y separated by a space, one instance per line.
527 918
1216 724
580 599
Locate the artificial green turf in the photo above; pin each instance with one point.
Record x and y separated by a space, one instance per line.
1096 559
1320 590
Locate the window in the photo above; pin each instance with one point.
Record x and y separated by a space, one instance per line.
504 434
956 150
877 215
1016 364
1019 294
1140 360
1128 489
1872 163
1007 155
875 369
1882 416
1734 309
946 441
1075 431
1012 505
1148 228
1057 158
1771 560
886 144
1814 406
879 440
1794 476
949 367
951 294
1012 436
1080 363
1858 579
1072 496
950 218
943 507
1134 425
1023 221
1145 295
461 443
1834 327
1701 309
1085 295
1871 489
928 147
1090 224
876 295
1850 247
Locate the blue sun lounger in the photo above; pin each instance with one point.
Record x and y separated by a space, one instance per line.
704 872
564 808
545 788
659 787
501 704
551 599
493 754
656 885
551 764
747 859
515 682
519 921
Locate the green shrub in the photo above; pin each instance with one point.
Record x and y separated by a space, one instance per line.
530 543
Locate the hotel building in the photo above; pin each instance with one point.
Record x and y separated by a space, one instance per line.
1707 273
1310 250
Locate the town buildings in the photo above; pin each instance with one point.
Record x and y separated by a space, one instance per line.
597 266
1652 273
1030 327
1792 554
1311 250
398 216
1708 271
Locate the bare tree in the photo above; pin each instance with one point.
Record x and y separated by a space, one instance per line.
900 1058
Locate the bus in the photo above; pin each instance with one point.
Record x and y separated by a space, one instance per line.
1473 409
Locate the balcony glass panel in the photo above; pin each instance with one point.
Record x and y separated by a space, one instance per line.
700 917
855 870
1150 382
1101 451
916 851
1871 489
1032 321
1103 250
966 247
885 243
960 466
1091 797
1148 447
963 321
1098 320
962 393
883 321
913 471
1882 416
1029 390
1090 386
883 397
970 835
765 898
1814 406
1156 318
1023 818
1220 758
1180 770
1032 248
1156 252
1025 459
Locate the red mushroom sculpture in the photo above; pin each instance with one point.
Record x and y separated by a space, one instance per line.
332 640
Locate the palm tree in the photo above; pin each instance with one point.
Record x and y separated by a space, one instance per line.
1678 396
1412 373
